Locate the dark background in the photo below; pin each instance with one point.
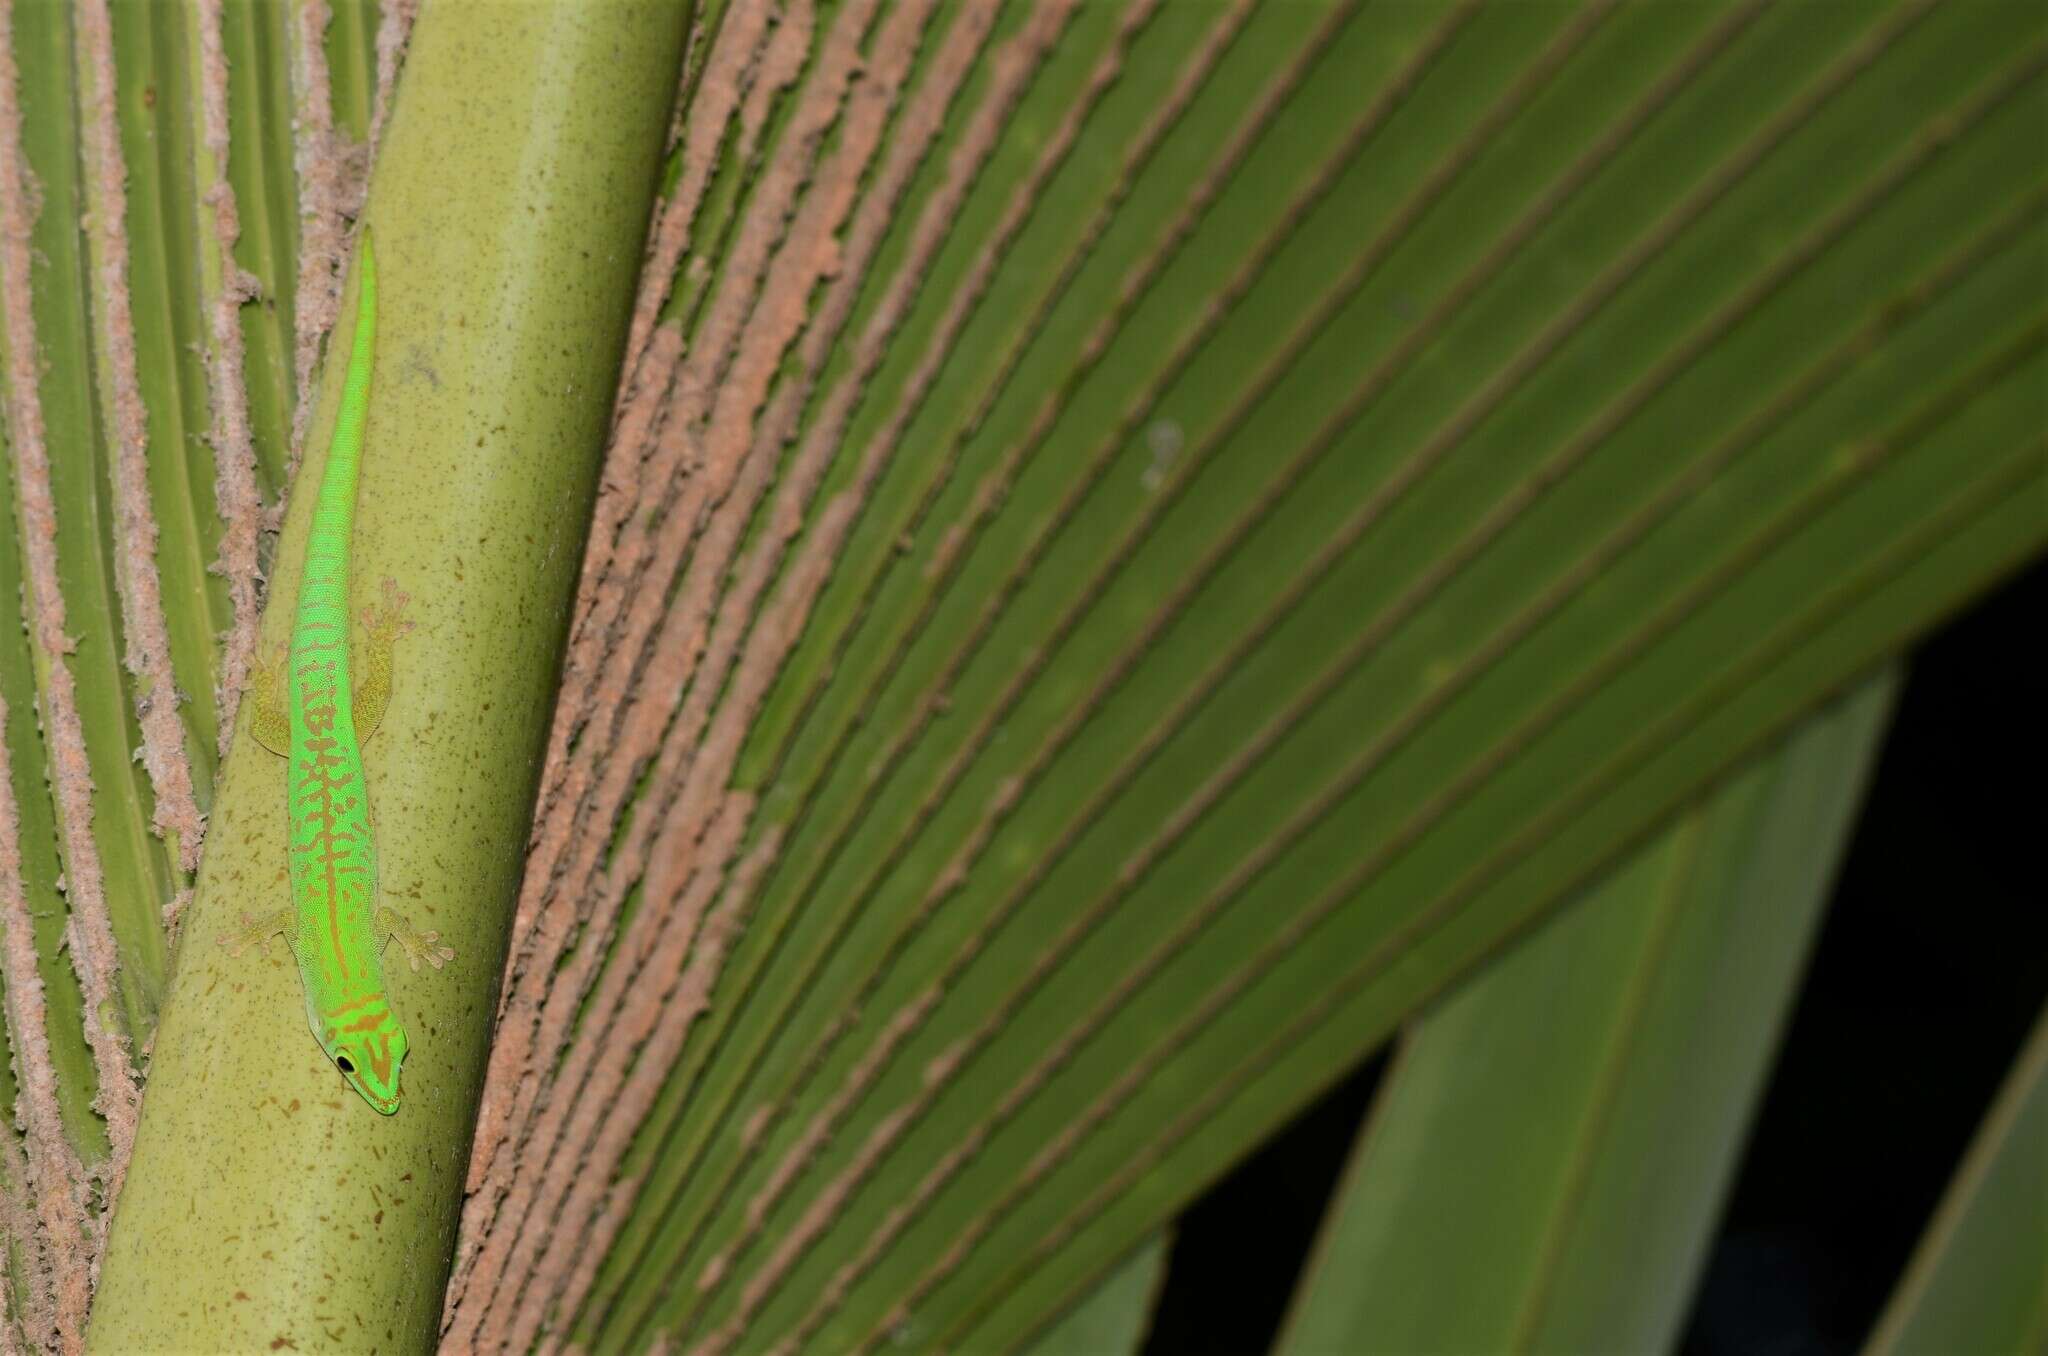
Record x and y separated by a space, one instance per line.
1931 965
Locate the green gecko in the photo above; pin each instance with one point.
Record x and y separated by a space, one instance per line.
312 714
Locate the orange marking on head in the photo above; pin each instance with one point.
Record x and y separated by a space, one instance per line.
380 1061
367 1022
355 1003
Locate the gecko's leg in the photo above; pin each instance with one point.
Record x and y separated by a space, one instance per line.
383 624
418 946
255 931
272 723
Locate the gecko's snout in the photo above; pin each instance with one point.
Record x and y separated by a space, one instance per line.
371 1063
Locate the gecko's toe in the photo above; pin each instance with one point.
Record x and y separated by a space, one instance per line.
388 618
433 954
421 947
238 942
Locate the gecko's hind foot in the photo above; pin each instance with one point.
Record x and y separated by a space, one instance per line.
387 621
255 932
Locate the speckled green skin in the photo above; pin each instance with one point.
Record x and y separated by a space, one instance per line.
509 202
314 713
332 849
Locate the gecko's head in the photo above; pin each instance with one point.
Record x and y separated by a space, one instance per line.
369 1051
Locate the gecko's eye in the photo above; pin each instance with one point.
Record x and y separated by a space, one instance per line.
341 1063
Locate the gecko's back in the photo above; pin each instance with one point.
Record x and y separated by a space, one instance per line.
332 854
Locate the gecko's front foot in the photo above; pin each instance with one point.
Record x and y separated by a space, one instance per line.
417 946
255 932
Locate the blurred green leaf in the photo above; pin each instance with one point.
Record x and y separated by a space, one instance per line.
1544 1164
1978 1282
1112 1320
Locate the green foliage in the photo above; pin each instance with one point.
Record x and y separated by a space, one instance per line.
1544 1164
1315 555
1112 1320
113 838
1320 483
1979 1279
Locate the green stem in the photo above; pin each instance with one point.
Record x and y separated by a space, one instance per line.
265 1201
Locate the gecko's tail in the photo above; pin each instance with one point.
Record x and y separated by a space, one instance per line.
324 584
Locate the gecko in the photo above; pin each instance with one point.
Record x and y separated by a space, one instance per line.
316 712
